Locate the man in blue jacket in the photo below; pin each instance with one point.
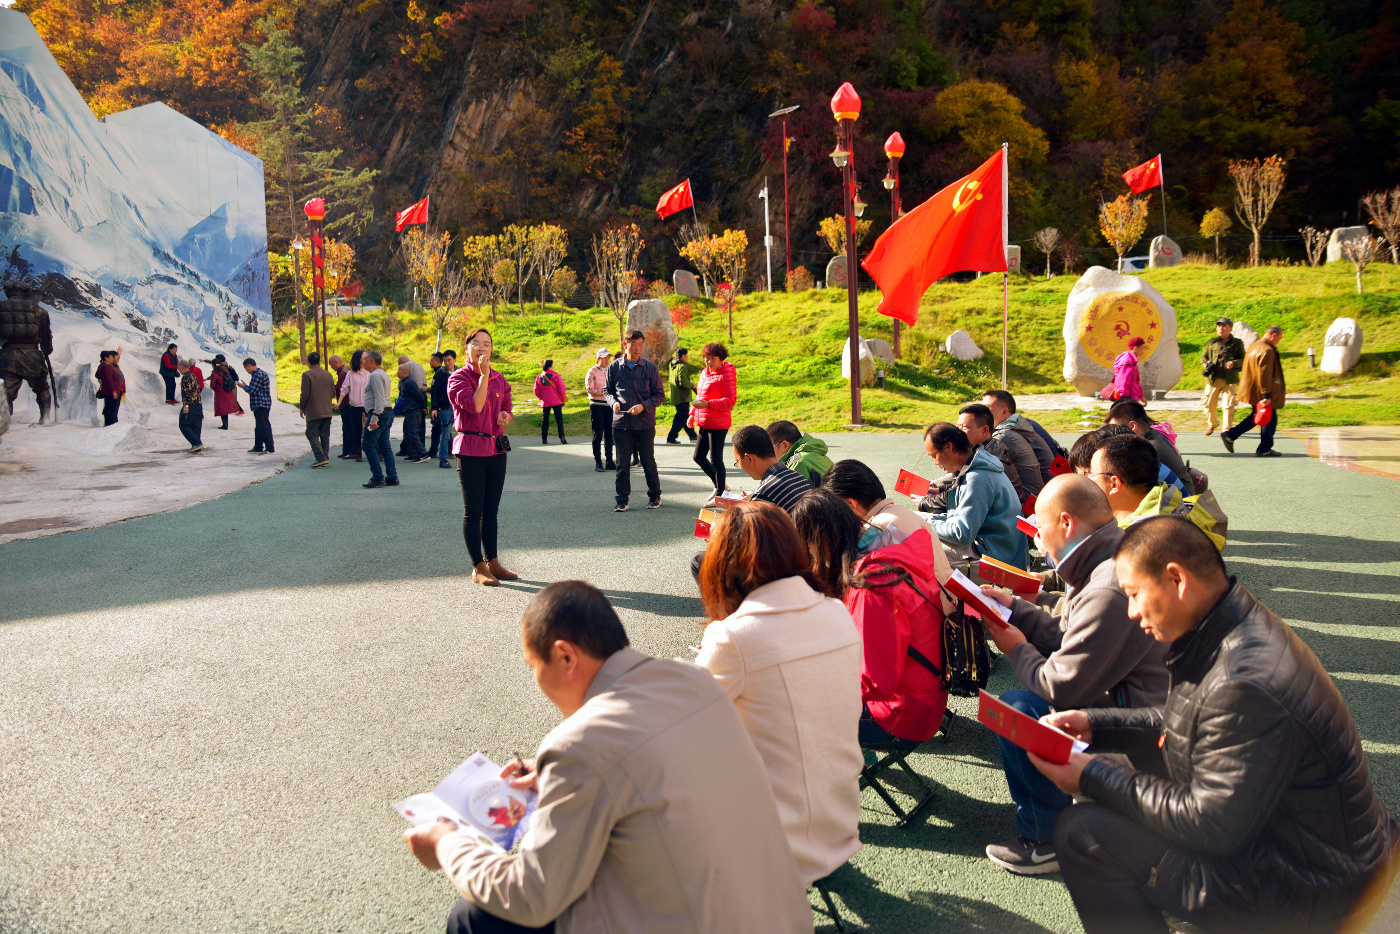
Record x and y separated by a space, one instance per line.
634 390
982 504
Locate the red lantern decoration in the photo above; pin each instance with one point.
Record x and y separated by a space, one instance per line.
845 103
316 209
894 146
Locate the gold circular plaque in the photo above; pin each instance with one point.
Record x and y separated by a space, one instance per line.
1113 319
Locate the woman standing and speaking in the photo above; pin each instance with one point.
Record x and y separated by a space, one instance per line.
714 400
481 410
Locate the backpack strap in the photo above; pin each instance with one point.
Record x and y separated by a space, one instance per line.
924 660
899 575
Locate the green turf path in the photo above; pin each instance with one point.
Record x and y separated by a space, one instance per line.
208 713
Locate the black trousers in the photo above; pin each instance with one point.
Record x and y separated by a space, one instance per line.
1266 430
192 423
466 918
601 417
1107 861
434 436
352 429
709 454
679 423
170 376
642 442
413 428
483 479
262 430
109 410
558 411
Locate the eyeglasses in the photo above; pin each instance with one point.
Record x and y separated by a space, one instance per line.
1104 474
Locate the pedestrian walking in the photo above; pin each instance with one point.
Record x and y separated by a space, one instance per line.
111 385
634 391
682 388
259 389
192 405
1126 384
481 410
413 402
1221 360
440 438
379 409
550 390
715 395
1261 381
170 372
225 386
595 383
351 400
317 392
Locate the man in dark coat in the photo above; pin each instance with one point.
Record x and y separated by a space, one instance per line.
634 390
1266 821
28 342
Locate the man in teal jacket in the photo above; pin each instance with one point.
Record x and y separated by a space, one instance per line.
982 505
803 453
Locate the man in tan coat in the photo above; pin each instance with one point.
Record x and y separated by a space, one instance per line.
655 812
1262 378
317 393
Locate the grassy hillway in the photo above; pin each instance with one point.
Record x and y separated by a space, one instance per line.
787 347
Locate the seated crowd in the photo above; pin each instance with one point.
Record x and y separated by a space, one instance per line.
1223 783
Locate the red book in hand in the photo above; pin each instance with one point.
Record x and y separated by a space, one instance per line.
1027 524
702 529
911 484
960 586
1059 466
1004 575
1027 732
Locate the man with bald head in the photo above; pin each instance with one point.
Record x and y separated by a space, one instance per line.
1092 656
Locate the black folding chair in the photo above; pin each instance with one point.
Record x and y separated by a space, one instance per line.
823 887
886 759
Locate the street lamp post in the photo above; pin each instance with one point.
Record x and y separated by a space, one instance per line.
316 214
787 239
845 107
894 150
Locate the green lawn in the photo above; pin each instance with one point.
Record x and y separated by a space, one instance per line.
787 347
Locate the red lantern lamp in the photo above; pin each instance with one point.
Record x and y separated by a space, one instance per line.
845 103
316 209
894 146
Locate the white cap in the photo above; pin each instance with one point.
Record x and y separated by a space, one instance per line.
603 352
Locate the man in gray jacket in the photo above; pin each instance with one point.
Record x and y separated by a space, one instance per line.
379 410
655 813
1030 452
1092 656
1130 414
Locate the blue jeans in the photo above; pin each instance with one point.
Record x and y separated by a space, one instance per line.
1266 430
445 444
377 448
1038 801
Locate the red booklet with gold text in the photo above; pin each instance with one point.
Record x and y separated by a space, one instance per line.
1025 731
1004 575
911 484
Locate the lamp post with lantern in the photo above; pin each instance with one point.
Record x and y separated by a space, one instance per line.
845 107
894 151
787 238
316 214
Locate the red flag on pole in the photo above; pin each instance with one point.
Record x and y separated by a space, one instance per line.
1148 175
418 214
677 199
959 229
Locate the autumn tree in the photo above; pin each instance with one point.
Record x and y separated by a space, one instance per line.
548 245
423 258
338 273
1361 252
1258 183
1122 222
615 253
1215 223
563 283
729 250
1384 208
832 230
700 252
1069 254
1046 240
480 255
1315 242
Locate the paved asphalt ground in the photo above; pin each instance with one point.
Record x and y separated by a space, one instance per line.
208 713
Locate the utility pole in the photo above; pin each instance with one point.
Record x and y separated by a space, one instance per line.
767 237
787 237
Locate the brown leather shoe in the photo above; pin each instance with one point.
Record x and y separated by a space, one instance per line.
482 575
1210 430
499 571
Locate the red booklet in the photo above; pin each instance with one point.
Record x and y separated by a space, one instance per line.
1004 575
1059 465
962 587
1027 732
1028 525
702 529
1029 505
911 484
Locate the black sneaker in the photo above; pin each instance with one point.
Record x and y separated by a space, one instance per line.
1024 857
672 441
255 450
1229 443
599 467
393 482
609 466
373 484
1268 453
444 463
620 507
562 441
654 503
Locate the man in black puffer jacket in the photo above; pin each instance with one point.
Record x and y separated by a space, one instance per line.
1268 821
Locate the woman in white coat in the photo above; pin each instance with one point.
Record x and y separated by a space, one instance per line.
790 659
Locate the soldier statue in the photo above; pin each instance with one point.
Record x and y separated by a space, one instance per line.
24 327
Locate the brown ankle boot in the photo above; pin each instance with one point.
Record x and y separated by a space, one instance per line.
500 572
481 574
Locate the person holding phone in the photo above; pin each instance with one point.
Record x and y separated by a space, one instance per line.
481 409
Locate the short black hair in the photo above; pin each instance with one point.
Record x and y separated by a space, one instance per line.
753 440
249 361
681 352
313 359
1133 460
940 434
784 431
547 364
432 357
106 353
851 479
1150 544
635 335
1128 410
576 612
450 353
1081 452
980 414
170 347
1003 397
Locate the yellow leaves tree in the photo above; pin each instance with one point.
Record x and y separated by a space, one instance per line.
700 252
339 270
548 245
723 258
1214 224
983 115
833 232
423 255
1258 183
615 252
1122 222
515 246
479 258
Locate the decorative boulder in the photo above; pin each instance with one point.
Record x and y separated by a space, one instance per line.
1340 236
962 347
1245 333
881 350
1163 252
685 284
1013 259
1342 346
836 273
867 363
1104 312
646 314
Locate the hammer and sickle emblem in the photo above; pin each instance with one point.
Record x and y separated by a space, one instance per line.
958 204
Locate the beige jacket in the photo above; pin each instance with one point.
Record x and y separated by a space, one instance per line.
886 513
655 817
790 659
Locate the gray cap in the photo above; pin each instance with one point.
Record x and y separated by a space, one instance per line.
1225 321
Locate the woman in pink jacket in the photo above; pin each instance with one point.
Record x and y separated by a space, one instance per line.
1125 372
715 395
549 389
481 410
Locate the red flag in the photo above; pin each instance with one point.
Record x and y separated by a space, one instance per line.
677 199
418 214
961 228
1148 175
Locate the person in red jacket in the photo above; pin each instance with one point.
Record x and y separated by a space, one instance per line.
170 372
715 395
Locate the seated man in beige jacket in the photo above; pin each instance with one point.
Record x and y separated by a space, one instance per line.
655 813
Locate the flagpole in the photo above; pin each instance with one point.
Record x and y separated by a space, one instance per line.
1163 176
1005 276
